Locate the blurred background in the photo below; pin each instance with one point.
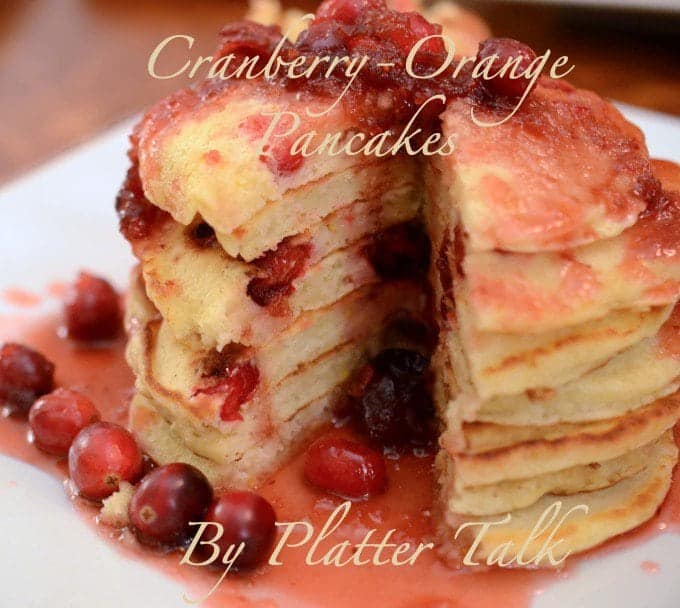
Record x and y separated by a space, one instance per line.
71 68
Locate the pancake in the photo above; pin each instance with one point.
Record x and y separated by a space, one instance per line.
532 293
203 293
484 366
516 494
611 511
207 162
642 373
507 364
563 172
314 355
494 453
304 209
244 461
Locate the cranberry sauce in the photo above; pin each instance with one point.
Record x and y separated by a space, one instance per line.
136 215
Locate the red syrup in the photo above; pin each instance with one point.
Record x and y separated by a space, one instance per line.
102 374
20 298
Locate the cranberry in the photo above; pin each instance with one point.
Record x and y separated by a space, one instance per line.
415 28
324 38
245 518
167 499
136 215
347 11
58 417
395 408
345 468
101 456
506 49
237 384
282 161
92 309
278 268
401 251
386 36
246 39
25 375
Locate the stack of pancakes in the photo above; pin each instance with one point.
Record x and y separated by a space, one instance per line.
256 296
559 356
260 272
553 282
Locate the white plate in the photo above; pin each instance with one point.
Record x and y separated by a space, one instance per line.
59 219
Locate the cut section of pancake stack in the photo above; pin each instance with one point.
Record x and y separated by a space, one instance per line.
259 289
558 360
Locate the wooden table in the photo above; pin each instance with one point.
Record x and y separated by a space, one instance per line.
71 68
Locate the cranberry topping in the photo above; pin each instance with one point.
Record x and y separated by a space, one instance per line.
401 251
101 456
245 518
136 215
506 50
656 234
58 417
236 384
277 269
92 309
343 11
395 408
346 468
382 96
247 39
383 93
164 503
25 375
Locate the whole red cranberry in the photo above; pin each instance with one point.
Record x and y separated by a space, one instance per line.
92 309
245 518
167 499
346 468
101 456
25 375
58 417
506 49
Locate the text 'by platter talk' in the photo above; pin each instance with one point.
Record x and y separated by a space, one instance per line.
538 547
